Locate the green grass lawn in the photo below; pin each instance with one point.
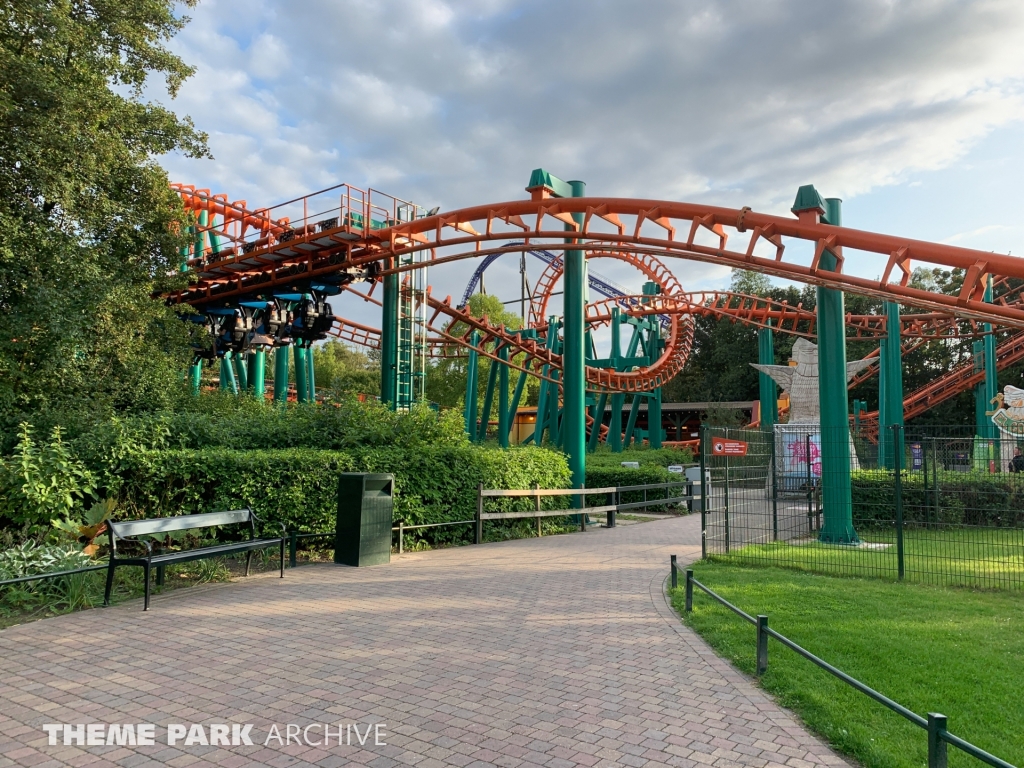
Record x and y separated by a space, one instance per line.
968 557
932 649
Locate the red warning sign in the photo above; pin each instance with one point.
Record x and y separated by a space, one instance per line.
721 447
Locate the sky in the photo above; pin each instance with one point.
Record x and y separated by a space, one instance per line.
912 112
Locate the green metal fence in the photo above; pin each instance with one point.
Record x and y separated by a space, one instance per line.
953 513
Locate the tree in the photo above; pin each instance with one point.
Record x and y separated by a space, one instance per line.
345 370
89 230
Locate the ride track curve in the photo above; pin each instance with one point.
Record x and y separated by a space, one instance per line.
268 253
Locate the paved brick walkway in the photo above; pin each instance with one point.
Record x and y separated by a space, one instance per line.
554 652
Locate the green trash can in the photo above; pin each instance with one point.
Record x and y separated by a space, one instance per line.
363 529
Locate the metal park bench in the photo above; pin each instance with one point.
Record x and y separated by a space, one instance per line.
129 530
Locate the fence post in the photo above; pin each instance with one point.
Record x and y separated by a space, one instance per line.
293 539
898 487
762 645
727 535
775 491
478 536
536 499
401 531
689 590
936 746
703 497
583 515
610 500
675 572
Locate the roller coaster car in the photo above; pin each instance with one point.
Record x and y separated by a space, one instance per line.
276 324
313 319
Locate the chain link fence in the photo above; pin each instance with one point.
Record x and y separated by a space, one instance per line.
953 514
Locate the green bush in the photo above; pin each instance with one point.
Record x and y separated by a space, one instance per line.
964 498
298 487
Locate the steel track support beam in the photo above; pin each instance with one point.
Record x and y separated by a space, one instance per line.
503 420
259 372
389 341
990 431
471 386
767 388
241 371
195 374
890 377
310 377
299 353
281 374
574 388
837 527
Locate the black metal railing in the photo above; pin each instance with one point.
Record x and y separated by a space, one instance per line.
612 498
935 724
936 505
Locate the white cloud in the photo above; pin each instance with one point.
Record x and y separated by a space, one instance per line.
725 101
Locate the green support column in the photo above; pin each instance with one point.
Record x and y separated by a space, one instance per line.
837 527
654 418
471 387
767 387
310 377
884 446
980 400
991 374
281 374
595 430
195 373
257 379
634 408
503 426
227 375
299 355
241 372
890 377
389 342
615 423
485 417
574 427
250 370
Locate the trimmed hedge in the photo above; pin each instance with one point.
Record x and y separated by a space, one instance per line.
964 498
298 487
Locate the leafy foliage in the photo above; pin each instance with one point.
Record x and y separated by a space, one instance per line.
42 481
345 371
90 225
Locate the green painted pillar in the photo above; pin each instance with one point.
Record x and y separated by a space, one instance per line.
471 386
885 428
891 373
767 388
241 371
615 423
980 401
195 373
257 380
837 527
991 432
573 430
281 374
250 370
227 374
310 376
389 342
301 370
503 425
654 418
201 236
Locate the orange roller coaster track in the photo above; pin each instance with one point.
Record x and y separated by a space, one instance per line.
338 233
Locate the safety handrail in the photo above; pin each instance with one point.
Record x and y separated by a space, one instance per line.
935 724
